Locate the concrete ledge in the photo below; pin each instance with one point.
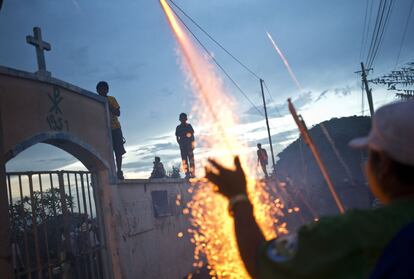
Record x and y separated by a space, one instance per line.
153 181
51 80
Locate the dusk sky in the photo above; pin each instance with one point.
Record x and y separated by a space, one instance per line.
130 45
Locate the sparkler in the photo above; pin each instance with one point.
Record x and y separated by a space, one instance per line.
213 233
292 75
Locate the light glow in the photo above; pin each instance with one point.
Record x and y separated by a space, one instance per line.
215 111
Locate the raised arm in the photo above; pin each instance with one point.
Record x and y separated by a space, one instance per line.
232 184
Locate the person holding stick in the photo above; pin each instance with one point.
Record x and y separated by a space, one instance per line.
357 244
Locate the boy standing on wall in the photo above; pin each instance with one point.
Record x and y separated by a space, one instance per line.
185 139
117 139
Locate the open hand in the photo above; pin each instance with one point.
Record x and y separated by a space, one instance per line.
229 182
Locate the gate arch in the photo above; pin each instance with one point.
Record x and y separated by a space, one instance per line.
85 153
42 109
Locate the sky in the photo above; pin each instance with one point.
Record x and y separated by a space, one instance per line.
130 45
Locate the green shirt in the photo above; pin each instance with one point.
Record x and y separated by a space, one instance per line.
346 246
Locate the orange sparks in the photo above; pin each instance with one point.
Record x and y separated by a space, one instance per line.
292 75
215 113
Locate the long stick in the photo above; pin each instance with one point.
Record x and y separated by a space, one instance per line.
308 140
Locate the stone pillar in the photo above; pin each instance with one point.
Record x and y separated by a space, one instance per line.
105 200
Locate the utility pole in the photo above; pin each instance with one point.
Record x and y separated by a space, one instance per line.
367 89
268 128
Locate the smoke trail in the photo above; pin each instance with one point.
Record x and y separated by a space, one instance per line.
292 75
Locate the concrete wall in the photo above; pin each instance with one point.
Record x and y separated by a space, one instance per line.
36 108
149 245
44 109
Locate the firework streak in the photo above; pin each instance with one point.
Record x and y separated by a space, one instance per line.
213 229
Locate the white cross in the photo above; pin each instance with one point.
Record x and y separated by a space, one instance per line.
40 47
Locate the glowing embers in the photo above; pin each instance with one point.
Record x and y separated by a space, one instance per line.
215 113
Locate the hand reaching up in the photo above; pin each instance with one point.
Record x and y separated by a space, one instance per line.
229 182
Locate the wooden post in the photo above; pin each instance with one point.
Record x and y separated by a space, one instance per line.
6 265
367 89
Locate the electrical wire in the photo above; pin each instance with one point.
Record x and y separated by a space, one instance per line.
218 64
405 32
383 31
375 33
214 40
364 31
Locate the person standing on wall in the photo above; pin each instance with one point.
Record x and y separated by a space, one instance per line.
158 170
262 158
185 139
117 138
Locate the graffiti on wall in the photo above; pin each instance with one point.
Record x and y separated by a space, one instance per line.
55 118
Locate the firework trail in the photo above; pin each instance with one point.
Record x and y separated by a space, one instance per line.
292 75
213 230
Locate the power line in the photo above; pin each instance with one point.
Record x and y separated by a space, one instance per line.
381 23
383 31
215 41
405 32
375 33
218 64
369 23
364 31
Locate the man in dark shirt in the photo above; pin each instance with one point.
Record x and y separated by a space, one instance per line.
262 158
185 138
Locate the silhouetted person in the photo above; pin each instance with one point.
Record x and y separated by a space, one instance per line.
158 170
117 138
262 158
185 138
377 242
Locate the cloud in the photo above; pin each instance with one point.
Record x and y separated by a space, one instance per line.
276 138
157 147
275 110
40 157
345 91
145 163
160 138
111 70
165 92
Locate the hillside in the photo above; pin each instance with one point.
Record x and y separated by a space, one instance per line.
304 182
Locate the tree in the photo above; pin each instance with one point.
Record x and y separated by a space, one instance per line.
174 172
46 205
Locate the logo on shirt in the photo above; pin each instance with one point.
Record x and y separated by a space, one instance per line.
282 248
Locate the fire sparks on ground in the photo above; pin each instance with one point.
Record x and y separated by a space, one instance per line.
292 75
213 233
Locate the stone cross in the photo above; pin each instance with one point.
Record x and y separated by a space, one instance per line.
40 45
